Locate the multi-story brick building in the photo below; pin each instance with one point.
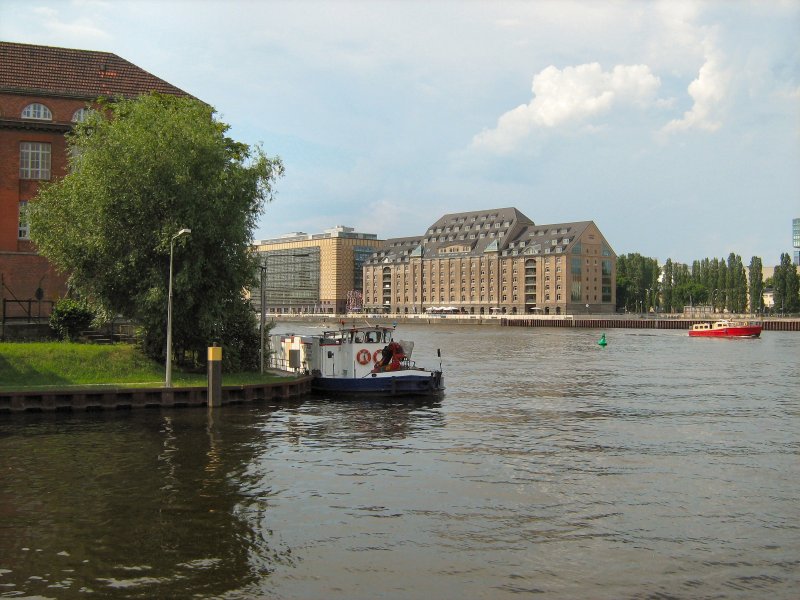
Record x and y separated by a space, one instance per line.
43 92
494 261
306 273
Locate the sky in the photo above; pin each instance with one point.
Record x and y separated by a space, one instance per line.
673 125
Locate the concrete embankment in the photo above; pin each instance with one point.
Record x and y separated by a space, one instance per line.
685 324
590 321
126 398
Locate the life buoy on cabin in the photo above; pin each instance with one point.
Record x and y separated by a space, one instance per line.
363 357
377 356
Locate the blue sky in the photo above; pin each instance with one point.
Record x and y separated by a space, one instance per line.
675 126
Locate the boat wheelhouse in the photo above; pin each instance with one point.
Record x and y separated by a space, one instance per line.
356 360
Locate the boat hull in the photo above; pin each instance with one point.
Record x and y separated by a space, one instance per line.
428 383
751 331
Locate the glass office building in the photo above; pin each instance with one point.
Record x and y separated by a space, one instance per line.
312 273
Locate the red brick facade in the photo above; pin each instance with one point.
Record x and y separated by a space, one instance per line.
13 189
64 81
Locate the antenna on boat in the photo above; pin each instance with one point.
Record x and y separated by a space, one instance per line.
439 354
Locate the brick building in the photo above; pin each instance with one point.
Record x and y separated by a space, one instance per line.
495 261
43 92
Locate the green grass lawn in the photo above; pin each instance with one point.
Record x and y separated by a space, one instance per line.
62 364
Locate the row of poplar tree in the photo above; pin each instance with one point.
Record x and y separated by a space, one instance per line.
644 286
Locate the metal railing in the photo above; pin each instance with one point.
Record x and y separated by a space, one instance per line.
30 311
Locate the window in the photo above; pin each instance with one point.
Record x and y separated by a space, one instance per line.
80 115
37 111
24 227
34 160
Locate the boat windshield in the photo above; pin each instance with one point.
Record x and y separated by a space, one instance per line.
376 335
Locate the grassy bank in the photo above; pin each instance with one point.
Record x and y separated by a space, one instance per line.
62 364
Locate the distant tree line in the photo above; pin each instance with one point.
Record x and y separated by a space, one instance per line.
643 286
785 285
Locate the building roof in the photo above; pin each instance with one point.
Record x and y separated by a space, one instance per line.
504 231
478 230
339 231
66 72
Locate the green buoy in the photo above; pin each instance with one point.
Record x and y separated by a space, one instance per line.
602 341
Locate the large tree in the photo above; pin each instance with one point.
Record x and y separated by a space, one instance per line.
141 170
756 285
785 283
637 282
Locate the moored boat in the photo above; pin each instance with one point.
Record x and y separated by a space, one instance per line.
356 360
726 328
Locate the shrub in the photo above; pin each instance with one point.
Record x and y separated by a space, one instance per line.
70 317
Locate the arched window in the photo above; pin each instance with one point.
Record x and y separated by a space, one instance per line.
37 111
79 116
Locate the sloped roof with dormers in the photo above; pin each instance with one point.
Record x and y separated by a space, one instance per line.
474 232
396 250
553 238
504 231
66 72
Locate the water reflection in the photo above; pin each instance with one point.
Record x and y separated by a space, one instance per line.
129 502
175 501
354 421
652 468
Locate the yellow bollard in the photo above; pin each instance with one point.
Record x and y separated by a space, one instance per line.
214 376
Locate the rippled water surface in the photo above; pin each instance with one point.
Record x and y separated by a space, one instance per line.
657 467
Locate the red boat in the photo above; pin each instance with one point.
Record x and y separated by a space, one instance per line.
725 328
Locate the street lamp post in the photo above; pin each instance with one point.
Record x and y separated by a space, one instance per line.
263 293
168 382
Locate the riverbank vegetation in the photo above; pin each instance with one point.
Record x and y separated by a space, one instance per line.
644 286
62 364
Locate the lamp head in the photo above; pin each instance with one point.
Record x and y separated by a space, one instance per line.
184 230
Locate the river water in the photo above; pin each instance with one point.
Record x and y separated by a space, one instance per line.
657 467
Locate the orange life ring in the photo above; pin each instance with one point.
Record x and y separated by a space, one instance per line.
377 356
363 356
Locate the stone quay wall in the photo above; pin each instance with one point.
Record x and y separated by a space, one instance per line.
108 398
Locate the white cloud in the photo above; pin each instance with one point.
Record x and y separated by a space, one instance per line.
569 96
79 32
708 91
47 13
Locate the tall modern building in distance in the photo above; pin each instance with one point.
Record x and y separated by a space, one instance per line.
796 240
495 261
318 272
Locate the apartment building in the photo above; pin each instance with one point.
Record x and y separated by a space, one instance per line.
495 261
